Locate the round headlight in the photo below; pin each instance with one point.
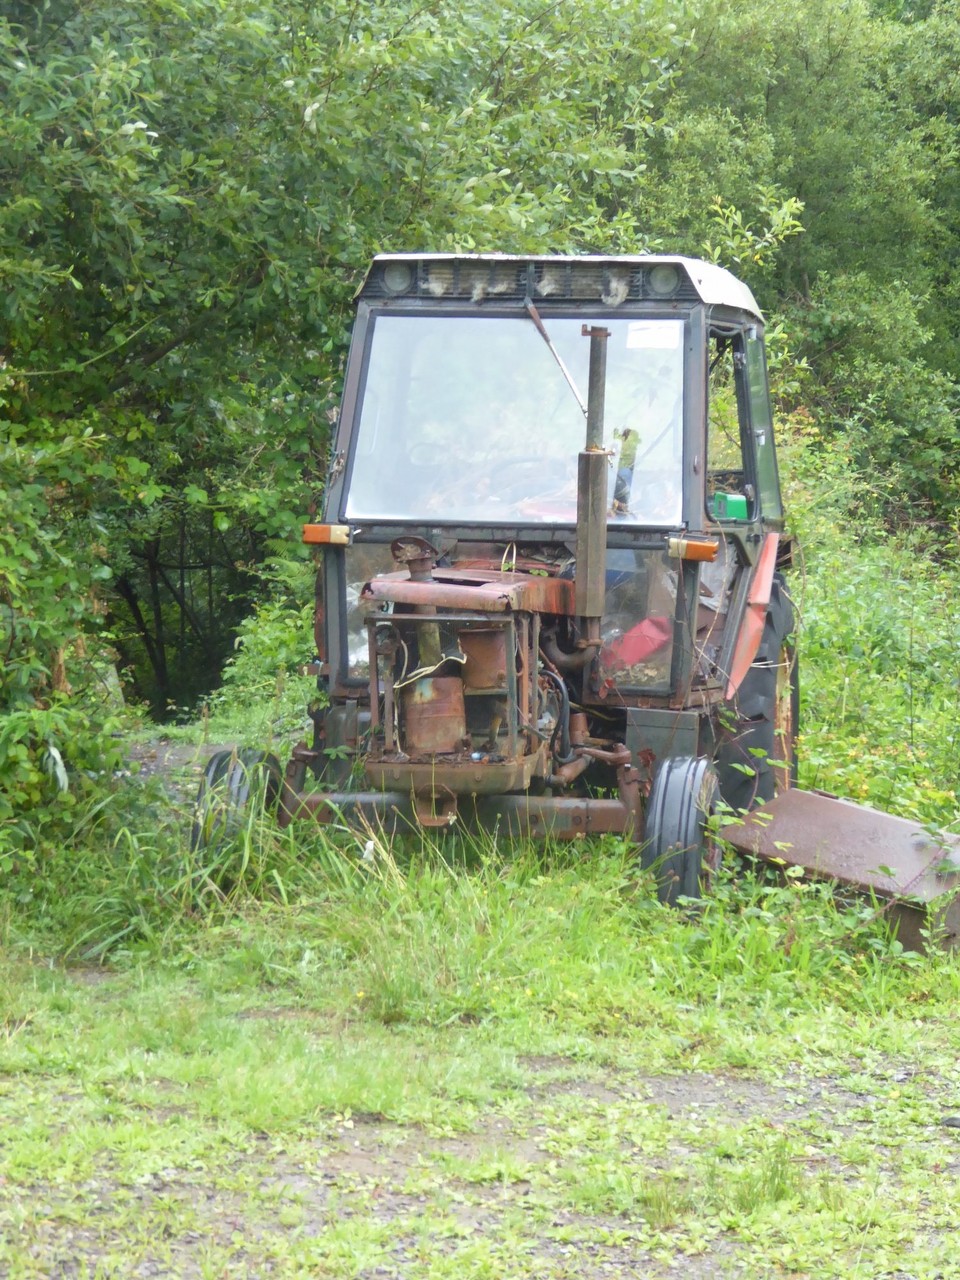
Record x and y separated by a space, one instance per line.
397 277
664 280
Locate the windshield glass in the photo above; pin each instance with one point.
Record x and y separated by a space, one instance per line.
468 419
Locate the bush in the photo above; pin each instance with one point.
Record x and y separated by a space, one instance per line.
263 694
54 738
879 661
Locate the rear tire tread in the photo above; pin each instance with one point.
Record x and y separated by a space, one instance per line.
676 837
232 781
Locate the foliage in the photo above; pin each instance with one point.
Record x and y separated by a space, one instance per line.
848 113
180 246
264 696
52 747
894 412
879 664
738 244
193 187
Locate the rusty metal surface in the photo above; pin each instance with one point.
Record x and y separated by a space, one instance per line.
560 818
486 664
463 776
862 849
751 628
417 554
475 589
434 717
436 811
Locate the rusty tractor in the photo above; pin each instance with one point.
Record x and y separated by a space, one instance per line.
553 579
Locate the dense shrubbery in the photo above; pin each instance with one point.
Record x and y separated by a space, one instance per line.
264 697
879 665
55 739
179 249
879 677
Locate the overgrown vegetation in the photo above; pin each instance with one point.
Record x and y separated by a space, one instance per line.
521 1043
552 1065
203 261
192 188
878 664
305 1029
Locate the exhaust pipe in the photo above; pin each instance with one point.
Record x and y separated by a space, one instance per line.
590 586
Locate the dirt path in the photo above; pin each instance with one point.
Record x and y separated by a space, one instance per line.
581 1174
159 758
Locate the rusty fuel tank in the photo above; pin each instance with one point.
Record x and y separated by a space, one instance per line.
913 874
434 717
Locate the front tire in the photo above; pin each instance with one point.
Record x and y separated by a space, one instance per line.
678 841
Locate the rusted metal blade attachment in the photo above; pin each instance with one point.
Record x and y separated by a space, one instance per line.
913 870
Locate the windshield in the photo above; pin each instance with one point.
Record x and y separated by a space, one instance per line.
468 419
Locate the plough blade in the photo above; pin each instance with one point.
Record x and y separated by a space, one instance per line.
915 875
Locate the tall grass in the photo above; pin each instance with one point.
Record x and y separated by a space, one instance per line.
880 667
474 929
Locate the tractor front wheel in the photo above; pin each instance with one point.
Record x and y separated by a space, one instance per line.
678 841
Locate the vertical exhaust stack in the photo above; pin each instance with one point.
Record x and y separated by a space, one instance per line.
592 496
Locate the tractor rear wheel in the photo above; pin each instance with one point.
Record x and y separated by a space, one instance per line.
233 783
678 842
757 756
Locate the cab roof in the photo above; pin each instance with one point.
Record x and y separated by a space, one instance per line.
612 280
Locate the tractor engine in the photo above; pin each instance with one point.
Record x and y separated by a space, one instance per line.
461 703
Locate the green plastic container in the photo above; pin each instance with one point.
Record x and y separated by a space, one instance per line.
730 506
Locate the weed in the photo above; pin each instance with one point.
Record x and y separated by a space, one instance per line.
317 1051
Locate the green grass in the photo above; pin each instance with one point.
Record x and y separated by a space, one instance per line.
440 1065
880 671
487 1060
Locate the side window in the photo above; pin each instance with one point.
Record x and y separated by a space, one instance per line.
761 421
731 488
361 562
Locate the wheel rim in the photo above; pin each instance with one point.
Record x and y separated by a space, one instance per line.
679 842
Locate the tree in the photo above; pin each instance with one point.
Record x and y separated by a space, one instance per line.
192 189
842 110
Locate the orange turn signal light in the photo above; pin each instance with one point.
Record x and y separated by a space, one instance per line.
327 535
692 548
